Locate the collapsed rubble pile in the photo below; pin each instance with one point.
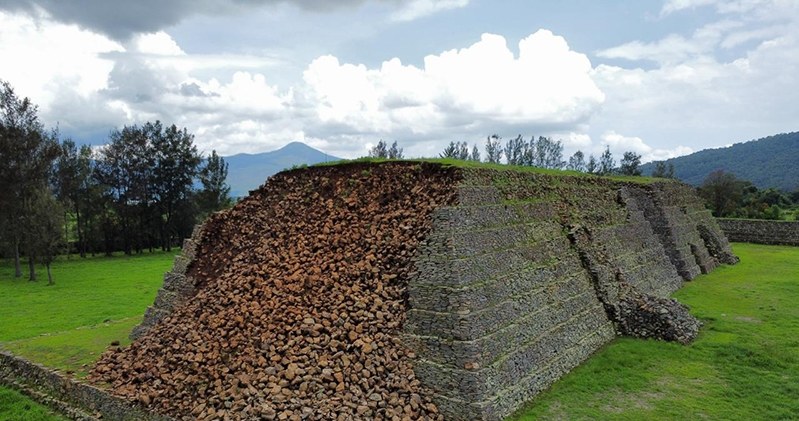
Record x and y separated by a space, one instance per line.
302 288
644 316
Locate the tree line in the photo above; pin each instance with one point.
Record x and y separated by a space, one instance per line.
542 152
144 190
730 197
724 194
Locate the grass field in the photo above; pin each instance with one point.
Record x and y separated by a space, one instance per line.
15 406
743 366
94 301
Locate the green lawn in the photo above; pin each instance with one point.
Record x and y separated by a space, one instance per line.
743 366
94 302
15 406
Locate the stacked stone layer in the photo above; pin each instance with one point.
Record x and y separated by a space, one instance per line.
528 274
411 291
177 288
75 400
761 232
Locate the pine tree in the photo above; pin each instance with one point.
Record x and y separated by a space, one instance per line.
456 150
606 162
379 151
514 151
630 164
27 153
395 152
215 192
592 165
475 156
576 162
493 149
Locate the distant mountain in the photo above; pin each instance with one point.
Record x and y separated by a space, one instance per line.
768 162
247 172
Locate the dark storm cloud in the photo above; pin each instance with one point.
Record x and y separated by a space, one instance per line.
120 19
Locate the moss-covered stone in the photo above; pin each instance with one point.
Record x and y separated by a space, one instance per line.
529 273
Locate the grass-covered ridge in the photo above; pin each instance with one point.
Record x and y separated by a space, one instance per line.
743 366
458 163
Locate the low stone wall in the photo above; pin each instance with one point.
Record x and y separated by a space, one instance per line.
761 231
74 399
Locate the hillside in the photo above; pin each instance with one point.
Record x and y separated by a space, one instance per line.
767 162
248 171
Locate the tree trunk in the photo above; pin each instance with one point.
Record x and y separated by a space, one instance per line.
168 231
162 236
66 232
90 241
49 275
126 233
17 265
108 235
81 245
31 268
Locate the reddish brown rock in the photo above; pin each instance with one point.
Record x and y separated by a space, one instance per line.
301 292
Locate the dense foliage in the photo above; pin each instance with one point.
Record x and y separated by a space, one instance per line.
137 192
27 152
630 164
730 197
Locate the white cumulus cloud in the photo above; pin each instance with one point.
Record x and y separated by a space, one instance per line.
758 9
158 43
43 60
462 93
482 86
619 144
731 79
672 6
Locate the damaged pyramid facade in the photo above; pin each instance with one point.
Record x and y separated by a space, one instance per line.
411 290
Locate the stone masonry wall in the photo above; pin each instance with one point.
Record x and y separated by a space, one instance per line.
761 232
178 286
76 400
502 306
690 234
529 274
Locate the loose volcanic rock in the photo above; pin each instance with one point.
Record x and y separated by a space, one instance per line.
645 316
411 291
302 288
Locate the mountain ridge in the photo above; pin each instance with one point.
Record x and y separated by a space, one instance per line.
248 171
771 161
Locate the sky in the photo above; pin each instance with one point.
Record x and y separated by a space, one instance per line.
661 78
